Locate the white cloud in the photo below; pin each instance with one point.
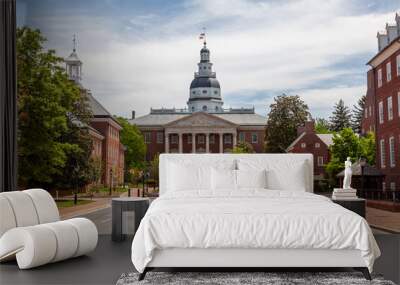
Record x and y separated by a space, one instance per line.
254 46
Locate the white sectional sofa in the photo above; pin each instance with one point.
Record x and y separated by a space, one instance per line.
31 230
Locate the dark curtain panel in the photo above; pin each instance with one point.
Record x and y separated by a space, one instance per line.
8 97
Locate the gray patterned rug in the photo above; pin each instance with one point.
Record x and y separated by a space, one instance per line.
229 278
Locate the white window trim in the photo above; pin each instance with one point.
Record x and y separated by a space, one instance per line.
227 139
390 108
382 153
388 71
381 115
242 137
174 139
201 139
392 154
380 77
303 145
320 161
317 145
398 102
398 64
160 137
147 137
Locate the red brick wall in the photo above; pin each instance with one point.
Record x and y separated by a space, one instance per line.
369 116
257 146
310 139
388 128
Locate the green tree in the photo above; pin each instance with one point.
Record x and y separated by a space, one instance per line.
51 113
133 140
286 114
322 126
341 117
347 144
243 147
358 113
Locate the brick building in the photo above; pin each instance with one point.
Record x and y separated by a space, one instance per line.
204 126
382 108
104 129
308 141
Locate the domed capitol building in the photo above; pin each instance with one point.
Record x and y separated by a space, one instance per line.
204 126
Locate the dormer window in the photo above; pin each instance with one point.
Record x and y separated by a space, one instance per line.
193 92
204 91
204 108
215 92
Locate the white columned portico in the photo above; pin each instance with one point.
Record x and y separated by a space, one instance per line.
221 142
207 142
167 143
180 143
193 142
234 137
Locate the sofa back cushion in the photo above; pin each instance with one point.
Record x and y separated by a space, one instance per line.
283 163
26 208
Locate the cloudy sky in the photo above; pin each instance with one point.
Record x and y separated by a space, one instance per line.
142 54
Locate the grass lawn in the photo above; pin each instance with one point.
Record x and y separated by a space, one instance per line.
70 203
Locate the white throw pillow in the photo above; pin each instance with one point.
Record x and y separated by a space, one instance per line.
291 178
223 179
188 177
251 178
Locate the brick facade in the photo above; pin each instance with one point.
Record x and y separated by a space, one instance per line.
308 141
382 111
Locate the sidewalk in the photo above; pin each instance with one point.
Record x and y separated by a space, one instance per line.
384 220
97 204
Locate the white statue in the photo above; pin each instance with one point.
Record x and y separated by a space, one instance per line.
347 174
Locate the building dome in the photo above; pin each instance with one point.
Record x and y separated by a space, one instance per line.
203 82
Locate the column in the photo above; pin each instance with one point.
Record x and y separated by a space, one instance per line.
221 142
234 136
193 143
207 143
180 143
167 143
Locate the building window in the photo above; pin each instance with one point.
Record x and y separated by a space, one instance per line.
382 151
379 77
215 92
227 139
193 92
320 161
370 111
174 138
204 108
204 91
392 186
160 137
391 152
216 108
254 138
189 139
212 139
388 71
398 103
366 113
147 137
241 137
317 145
398 65
390 108
201 139
381 112
303 145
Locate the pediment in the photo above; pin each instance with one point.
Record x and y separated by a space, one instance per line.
201 120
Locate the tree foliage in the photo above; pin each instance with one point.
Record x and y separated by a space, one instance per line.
358 113
341 117
286 115
322 126
243 147
50 143
347 144
133 140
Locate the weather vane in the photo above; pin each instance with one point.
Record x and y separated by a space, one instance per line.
74 42
203 36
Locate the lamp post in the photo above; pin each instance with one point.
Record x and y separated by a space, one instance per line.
111 179
363 162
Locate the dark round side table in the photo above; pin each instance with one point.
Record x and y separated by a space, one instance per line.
127 204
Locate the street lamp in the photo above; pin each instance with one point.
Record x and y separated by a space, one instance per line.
111 179
362 162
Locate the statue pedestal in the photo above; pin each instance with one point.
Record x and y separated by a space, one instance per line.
344 194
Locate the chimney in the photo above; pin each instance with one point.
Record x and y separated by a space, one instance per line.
133 115
308 127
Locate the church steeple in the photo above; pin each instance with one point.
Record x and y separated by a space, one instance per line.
73 64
